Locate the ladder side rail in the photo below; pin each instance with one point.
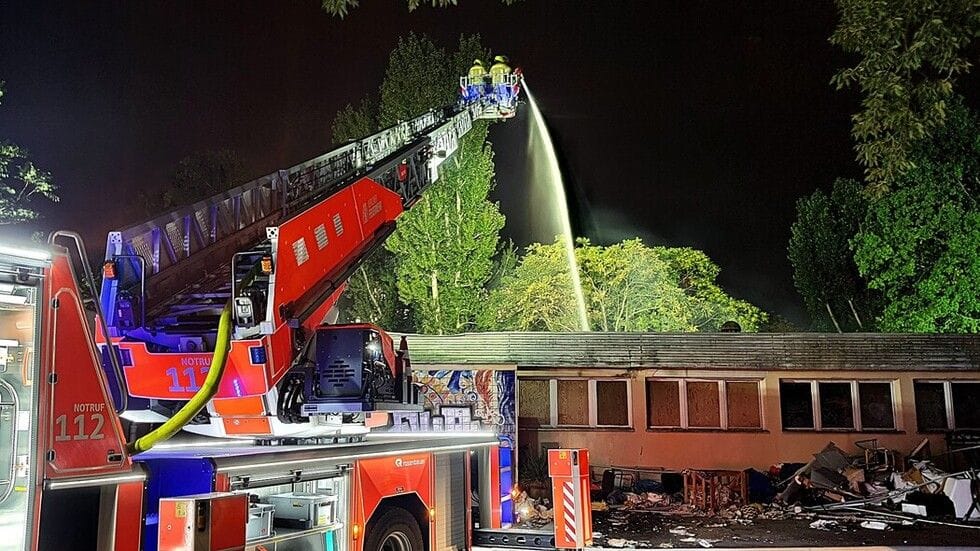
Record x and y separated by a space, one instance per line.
238 216
180 246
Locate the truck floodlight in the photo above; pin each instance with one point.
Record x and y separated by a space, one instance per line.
17 300
33 254
109 270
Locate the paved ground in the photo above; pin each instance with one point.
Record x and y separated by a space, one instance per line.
653 530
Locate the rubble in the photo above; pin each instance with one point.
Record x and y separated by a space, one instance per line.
874 525
871 491
824 524
532 513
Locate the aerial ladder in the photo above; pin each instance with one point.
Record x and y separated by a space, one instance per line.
277 251
216 318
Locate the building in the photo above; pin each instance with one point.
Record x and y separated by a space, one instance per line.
724 400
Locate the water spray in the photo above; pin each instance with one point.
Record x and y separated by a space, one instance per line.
558 188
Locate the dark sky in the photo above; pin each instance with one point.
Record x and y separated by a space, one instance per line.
687 123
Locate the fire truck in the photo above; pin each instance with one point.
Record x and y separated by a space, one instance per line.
215 322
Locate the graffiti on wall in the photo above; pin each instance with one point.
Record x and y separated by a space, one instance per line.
490 395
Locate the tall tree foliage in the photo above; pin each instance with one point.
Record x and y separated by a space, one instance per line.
909 54
627 287
834 293
197 177
441 255
21 184
354 123
920 244
446 243
341 8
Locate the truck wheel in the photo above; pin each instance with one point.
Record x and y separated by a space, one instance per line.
395 529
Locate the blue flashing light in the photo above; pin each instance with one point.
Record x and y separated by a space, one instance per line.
257 354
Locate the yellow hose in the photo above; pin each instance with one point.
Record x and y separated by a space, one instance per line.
201 398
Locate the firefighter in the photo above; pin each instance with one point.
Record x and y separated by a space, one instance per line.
499 73
477 76
499 70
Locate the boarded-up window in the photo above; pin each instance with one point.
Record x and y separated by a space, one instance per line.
796 404
612 404
876 406
535 403
836 407
966 405
573 402
663 403
930 406
743 404
703 408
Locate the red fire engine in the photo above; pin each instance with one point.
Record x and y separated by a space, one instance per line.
212 321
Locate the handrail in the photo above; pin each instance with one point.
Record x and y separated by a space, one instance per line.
113 353
242 213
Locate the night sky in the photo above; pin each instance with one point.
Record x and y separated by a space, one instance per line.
686 123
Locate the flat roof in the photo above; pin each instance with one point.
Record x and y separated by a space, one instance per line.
751 351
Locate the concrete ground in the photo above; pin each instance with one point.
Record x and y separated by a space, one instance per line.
652 530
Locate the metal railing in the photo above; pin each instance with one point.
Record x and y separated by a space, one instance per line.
180 247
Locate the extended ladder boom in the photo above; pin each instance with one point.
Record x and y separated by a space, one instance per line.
281 248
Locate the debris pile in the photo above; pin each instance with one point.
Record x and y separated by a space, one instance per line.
532 513
856 493
871 489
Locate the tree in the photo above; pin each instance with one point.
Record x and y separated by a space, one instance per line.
920 244
446 244
372 295
354 123
627 287
197 177
341 8
909 55
442 253
422 76
834 293
21 184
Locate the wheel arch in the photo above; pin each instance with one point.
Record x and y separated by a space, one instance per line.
411 502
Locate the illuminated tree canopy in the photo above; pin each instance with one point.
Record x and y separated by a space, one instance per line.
21 183
920 244
909 55
433 273
341 8
627 287
835 295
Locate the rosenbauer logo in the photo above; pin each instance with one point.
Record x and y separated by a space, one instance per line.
399 462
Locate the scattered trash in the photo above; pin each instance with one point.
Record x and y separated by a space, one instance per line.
870 489
919 510
874 525
824 524
532 513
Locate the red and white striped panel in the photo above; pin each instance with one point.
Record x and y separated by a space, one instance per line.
568 510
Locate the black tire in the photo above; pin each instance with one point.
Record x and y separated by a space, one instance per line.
393 529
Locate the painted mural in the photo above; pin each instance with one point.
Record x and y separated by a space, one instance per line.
489 394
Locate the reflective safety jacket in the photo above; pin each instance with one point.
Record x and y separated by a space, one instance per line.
498 72
477 71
